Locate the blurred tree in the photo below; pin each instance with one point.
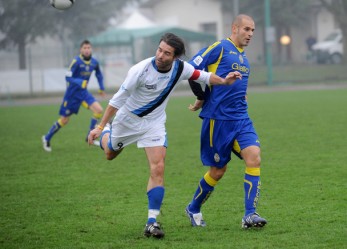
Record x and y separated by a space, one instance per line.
254 8
284 15
23 21
339 10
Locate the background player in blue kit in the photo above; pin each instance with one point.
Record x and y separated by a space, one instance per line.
226 126
76 94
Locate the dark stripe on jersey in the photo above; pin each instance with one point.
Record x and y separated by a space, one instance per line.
177 71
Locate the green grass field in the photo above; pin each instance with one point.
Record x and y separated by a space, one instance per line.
74 198
299 74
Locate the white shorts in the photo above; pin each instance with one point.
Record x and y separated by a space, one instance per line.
127 128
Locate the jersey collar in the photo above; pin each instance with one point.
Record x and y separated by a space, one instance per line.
85 61
239 49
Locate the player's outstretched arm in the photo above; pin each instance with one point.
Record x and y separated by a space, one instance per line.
232 77
229 79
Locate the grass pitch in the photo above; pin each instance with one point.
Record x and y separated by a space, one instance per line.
74 198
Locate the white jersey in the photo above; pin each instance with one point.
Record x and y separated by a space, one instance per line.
145 91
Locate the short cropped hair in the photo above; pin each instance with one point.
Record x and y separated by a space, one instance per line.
175 42
85 42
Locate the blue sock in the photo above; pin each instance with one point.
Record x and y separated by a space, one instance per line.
155 199
252 192
102 135
203 192
93 122
54 129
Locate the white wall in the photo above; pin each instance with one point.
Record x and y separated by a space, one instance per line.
48 81
325 23
188 14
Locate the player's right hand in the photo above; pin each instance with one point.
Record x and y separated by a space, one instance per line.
232 77
197 105
94 134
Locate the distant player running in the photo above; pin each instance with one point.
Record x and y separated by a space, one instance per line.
226 126
139 106
77 78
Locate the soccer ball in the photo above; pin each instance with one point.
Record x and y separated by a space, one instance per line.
62 4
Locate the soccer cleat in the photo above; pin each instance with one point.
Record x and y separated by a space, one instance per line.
253 220
153 229
195 219
46 144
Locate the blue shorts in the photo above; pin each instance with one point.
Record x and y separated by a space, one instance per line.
220 137
73 100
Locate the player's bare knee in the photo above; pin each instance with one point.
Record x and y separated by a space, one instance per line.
64 120
99 111
160 168
157 170
253 162
217 173
110 155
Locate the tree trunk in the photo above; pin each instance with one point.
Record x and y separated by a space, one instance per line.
289 46
22 55
279 57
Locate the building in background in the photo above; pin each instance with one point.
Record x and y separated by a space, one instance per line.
48 58
209 17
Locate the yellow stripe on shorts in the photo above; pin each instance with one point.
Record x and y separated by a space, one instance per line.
211 132
85 104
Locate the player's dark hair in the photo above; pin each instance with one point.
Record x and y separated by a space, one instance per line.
175 42
85 42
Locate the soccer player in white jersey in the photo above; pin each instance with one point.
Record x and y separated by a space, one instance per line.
138 112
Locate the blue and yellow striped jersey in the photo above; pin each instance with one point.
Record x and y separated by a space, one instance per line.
224 102
80 71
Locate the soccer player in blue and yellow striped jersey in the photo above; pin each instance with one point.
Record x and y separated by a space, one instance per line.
76 94
226 126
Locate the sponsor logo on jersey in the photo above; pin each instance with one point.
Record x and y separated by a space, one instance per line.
151 87
143 73
86 73
216 158
163 77
197 60
241 58
240 68
232 52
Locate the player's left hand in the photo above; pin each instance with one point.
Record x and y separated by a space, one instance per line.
197 105
232 77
